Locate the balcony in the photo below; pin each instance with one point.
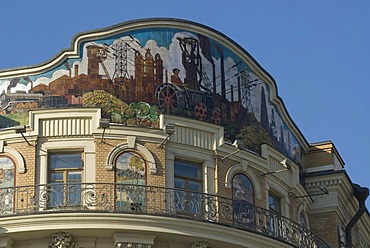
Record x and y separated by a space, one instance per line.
141 199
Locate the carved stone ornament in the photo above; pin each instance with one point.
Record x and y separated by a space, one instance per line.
201 244
132 245
62 240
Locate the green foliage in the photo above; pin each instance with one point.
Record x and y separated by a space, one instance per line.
253 136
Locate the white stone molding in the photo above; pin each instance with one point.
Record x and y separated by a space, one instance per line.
242 168
19 160
194 133
148 157
327 183
2 144
62 240
64 122
131 240
86 146
170 170
279 190
131 141
201 244
192 155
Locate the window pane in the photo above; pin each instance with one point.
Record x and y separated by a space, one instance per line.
71 160
302 220
196 186
56 177
188 170
65 176
74 176
56 195
274 203
180 183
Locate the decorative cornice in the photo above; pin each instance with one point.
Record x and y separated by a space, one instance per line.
327 183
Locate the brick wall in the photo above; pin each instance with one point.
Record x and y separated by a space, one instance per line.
29 155
325 225
319 155
104 175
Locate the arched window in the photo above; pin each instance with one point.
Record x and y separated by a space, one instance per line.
243 199
302 220
6 180
130 170
6 172
243 188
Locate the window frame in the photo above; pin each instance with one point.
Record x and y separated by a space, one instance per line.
275 196
67 184
189 179
188 202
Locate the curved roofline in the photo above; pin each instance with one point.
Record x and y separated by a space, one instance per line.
74 51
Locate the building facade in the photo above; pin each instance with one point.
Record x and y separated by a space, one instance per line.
164 133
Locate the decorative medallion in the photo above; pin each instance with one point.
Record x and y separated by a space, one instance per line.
201 244
62 240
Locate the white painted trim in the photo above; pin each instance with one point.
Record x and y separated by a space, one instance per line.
134 238
87 146
278 190
184 229
19 160
320 168
194 155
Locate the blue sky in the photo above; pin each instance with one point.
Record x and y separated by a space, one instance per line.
317 52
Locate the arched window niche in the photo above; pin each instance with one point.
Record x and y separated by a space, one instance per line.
242 169
7 168
242 188
302 216
17 158
131 146
130 168
130 162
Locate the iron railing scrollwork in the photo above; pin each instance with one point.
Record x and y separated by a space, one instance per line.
142 199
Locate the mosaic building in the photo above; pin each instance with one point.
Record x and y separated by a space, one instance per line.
164 133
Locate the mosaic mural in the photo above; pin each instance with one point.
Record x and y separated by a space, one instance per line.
243 189
6 172
136 76
6 180
130 169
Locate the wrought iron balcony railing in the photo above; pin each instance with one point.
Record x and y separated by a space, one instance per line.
141 199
